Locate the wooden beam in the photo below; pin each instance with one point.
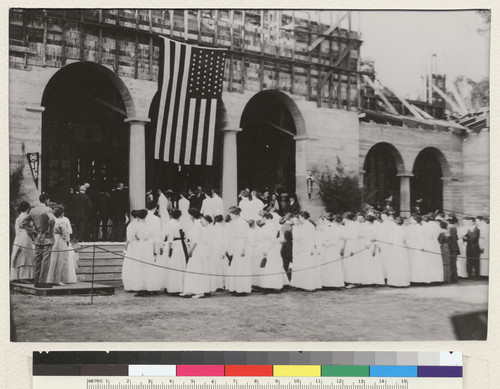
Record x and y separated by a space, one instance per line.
99 41
447 98
277 127
336 64
458 97
45 22
422 112
151 47
413 111
136 53
186 24
327 32
380 94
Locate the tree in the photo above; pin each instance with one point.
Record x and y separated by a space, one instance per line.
339 191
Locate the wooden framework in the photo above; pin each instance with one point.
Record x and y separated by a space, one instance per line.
261 54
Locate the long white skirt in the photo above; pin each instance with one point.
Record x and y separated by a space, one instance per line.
240 274
132 271
174 276
305 274
398 267
271 276
332 275
198 283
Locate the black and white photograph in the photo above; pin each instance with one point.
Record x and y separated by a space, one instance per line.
260 175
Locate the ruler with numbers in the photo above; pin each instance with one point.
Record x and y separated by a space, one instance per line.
73 382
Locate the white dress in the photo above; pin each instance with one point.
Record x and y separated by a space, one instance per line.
22 252
154 276
419 260
374 274
398 263
217 259
305 274
240 271
332 275
246 208
433 251
185 219
174 276
255 252
132 271
197 279
356 238
163 211
272 273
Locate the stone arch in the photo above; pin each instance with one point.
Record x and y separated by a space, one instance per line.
283 98
383 167
431 172
85 133
271 128
109 74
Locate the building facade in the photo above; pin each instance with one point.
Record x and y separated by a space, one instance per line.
83 94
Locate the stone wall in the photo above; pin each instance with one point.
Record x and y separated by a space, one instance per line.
409 143
476 174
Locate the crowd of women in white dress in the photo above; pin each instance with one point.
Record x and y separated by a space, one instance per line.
193 254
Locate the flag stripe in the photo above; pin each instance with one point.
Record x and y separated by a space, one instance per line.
189 135
206 132
171 106
168 86
192 154
201 127
164 75
211 134
181 150
180 105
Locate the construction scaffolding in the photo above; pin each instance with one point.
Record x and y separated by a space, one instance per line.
290 51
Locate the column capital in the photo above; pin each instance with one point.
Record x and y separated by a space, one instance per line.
137 119
304 137
35 108
226 129
405 174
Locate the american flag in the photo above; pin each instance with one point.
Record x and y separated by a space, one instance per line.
190 86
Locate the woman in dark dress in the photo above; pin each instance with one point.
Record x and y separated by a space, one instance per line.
454 248
443 239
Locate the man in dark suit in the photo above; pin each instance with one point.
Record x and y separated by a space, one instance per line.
82 207
119 209
472 251
287 245
292 206
197 200
39 223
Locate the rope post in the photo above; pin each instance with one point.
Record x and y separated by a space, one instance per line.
92 282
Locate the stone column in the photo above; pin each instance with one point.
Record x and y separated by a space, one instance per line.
137 162
405 199
301 169
229 167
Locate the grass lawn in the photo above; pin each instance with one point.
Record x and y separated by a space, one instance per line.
360 314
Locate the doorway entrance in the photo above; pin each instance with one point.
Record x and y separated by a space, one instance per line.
84 137
266 145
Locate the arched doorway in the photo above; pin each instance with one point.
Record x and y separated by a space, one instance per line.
429 168
84 136
266 145
382 165
180 177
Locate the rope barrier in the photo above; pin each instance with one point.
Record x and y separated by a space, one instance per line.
236 275
423 250
54 251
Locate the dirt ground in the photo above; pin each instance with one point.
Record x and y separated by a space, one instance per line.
361 314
